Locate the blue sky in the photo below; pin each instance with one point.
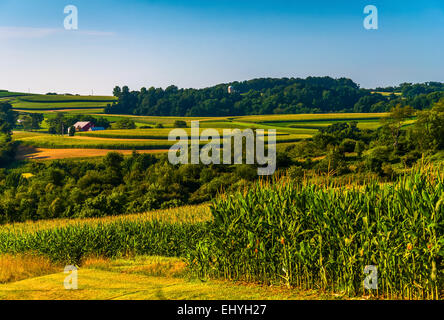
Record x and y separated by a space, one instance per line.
197 43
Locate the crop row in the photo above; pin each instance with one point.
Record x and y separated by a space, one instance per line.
319 237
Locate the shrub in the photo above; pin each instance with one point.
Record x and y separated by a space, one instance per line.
180 124
125 124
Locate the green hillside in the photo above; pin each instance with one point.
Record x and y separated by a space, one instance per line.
37 102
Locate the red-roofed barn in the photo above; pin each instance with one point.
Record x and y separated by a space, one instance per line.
83 125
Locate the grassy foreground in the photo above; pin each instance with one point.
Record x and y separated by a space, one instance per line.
141 278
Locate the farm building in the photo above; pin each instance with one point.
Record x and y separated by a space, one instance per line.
83 125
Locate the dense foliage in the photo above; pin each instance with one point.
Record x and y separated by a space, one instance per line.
271 96
111 186
394 146
8 119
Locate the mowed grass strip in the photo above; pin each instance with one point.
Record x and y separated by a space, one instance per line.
316 125
312 117
152 133
59 106
142 278
66 98
52 112
60 102
165 121
59 142
7 94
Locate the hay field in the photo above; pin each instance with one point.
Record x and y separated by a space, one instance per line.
31 153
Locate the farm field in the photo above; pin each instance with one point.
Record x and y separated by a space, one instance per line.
54 154
59 142
57 102
185 214
143 139
312 117
53 112
50 106
7 94
163 133
259 121
290 128
199 154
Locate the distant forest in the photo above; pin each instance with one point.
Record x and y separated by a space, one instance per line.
273 96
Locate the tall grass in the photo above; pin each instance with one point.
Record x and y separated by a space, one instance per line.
22 266
321 236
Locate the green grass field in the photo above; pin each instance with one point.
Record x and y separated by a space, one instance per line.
311 117
25 102
7 94
48 106
66 98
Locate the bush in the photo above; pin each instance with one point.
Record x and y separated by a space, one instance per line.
180 124
125 124
359 147
71 131
347 145
375 157
295 173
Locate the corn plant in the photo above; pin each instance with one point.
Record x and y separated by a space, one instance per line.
322 237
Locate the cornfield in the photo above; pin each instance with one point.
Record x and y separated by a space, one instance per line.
164 232
322 237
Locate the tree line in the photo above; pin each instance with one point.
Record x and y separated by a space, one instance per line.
273 96
8 119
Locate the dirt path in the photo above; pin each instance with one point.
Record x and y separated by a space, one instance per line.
52 154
